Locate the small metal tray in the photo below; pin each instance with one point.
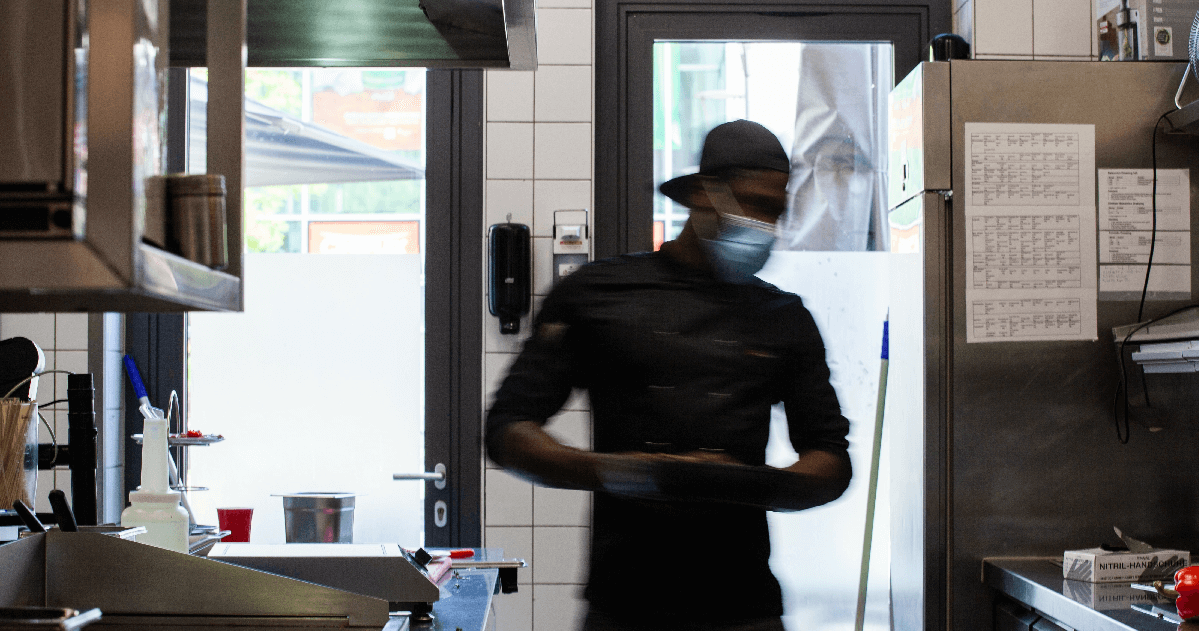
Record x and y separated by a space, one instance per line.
187 441
129 533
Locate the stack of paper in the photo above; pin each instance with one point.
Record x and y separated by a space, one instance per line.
1169 357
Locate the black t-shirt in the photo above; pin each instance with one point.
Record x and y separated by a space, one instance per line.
675 361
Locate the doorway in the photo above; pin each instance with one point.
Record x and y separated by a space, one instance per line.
826 102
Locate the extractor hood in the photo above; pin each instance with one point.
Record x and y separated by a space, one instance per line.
360 33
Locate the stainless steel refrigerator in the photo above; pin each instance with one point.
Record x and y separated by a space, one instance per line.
1013 446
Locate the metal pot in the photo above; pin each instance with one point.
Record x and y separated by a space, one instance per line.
318 517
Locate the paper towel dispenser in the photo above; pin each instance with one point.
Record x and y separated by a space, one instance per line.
509 256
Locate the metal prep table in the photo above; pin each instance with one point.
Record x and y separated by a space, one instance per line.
1037 583
137 587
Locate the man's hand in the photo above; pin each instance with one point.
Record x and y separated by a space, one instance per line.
699 476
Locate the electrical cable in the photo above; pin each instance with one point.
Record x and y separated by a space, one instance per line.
31 377
1122 385
53 438
1153 216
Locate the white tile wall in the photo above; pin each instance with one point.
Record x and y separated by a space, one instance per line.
517 542
63 338
551 195
510 96
543 253
562 151
509 197
564 36
495 366
509 500
558 607
509 151
571 427
563 93
38 327
556 549
533 170
70 331
558 507
514 611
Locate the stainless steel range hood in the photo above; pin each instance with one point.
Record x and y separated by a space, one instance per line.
357 33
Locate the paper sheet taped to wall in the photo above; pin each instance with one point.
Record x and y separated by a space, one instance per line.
1030 232
1127 229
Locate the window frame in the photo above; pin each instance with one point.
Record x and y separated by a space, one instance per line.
453 301
624 37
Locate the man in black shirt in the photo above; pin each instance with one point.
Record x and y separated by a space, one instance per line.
683 352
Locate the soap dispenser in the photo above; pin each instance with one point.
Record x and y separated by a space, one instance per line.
155 505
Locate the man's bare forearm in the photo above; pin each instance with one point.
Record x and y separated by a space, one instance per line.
530 452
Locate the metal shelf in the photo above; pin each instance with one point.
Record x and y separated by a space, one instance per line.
1185 120
102 263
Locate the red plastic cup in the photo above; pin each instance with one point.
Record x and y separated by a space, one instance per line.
237 522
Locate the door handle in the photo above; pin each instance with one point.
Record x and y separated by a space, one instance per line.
436 476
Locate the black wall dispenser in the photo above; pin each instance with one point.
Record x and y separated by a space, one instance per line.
509 256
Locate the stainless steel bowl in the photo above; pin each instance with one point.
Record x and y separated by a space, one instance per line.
318 517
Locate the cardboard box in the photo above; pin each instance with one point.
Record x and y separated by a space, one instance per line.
1097 565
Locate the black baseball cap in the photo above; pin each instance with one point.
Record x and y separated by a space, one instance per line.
739 144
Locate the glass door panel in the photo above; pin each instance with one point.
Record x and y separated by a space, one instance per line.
827 104
318 386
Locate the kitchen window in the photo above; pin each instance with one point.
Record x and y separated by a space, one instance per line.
319 385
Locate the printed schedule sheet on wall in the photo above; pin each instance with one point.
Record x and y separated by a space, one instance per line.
1030 232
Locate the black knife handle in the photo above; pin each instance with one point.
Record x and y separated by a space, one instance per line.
27 516
62 511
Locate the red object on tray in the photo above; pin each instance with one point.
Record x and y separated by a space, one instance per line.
1186 583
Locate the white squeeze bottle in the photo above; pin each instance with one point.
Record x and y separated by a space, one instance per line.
154 504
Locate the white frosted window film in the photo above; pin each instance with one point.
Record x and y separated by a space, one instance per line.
1030 232
816 554
317 387
1127 230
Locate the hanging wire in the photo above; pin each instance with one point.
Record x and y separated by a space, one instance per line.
31 377
53 437
1122 387
1121 395
1153 218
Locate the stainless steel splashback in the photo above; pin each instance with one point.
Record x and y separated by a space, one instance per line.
42 116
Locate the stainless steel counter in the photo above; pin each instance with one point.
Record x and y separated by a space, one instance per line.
468 602
1038 584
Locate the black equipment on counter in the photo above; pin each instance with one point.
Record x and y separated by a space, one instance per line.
19 358
81 436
